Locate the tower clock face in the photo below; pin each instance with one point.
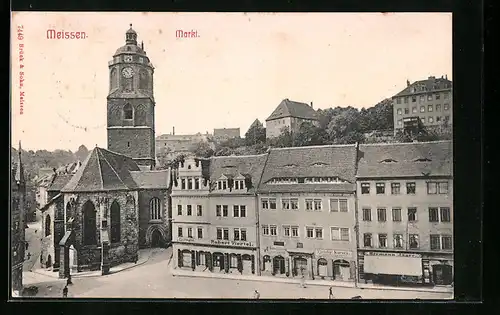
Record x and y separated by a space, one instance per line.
128 72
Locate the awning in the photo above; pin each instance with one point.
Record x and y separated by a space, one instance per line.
393 265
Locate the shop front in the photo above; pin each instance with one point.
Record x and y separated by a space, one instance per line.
338 265
438 269
218 256
392 268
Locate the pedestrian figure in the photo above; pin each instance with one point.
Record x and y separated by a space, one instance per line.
330 294
35 231
29 255
68 282
136 259
27 245
65 291
256 294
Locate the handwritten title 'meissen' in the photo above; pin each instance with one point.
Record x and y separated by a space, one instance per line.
62 34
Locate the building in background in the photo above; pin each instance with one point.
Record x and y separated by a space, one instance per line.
215 214
17 223
405 212
172 145
307 213
430 100
224 134
289 114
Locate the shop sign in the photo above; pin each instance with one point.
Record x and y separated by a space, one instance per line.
332 252
231 243
185 239
392 254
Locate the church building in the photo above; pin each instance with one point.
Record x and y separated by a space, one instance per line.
116 203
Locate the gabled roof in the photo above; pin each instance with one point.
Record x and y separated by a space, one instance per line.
103 170
424 86
51 201
249 166
59 181
159 179
313 161
416 159
289 108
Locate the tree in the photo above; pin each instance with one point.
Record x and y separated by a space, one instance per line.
82 153
309 134
203 149
224 151
255 134
283 140
345 128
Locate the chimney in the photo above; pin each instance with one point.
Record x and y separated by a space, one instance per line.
312 105
142 45
446 76
173 131
407 83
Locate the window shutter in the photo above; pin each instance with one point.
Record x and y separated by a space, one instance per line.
197 258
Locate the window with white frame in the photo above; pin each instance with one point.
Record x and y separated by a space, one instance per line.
285 204
286 231
273 230
200 232
225 210
309 232
179 231
190 232
367 214
396 214
196 183
219 233
225 234
413 240
239 184
199 210
240 234
398 240
189 210
367 240
269 203
295 231
294 203
412 214
435 241
318 233
381 215
380 188
155 209
265 230
445 214
382 240
318 205
179 209
395 188
339 234
218 210
433 214
337 205
446 242
365 188
309 204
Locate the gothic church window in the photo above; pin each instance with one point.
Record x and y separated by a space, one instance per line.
143 80
128 111
155 209
47 225
89 224
115 222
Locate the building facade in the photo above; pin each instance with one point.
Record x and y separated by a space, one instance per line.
430 100
306 213
405 213
17 223
172 145
224 134
130 103
214 214
289 114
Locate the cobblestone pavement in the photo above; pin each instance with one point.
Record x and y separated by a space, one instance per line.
154 280
32 235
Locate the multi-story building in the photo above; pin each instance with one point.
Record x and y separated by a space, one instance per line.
405 212
306 213
214 214
430 100
172 144
223 134
289 114
17 224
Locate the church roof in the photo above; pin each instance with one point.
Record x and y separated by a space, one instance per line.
289 108
103 170
130 49
159 179
59 181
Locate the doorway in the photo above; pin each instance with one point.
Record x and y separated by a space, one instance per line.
442 274
156 239
322 268
218 261
301 266
341 270
279 265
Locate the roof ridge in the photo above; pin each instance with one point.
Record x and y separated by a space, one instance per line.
317 146
128 157
112 168
237 156
404 143
99 166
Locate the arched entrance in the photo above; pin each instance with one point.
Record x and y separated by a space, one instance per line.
300 266
267 263
442 274
341 270
322 268
218 261
156 239
279 265
246 261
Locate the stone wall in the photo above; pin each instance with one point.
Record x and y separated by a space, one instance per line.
89 256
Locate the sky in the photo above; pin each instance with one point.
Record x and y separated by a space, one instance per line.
239 68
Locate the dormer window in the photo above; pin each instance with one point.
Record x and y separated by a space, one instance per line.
388 161
422 159
190 183
319 164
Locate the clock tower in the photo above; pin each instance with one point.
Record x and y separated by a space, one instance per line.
130 102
